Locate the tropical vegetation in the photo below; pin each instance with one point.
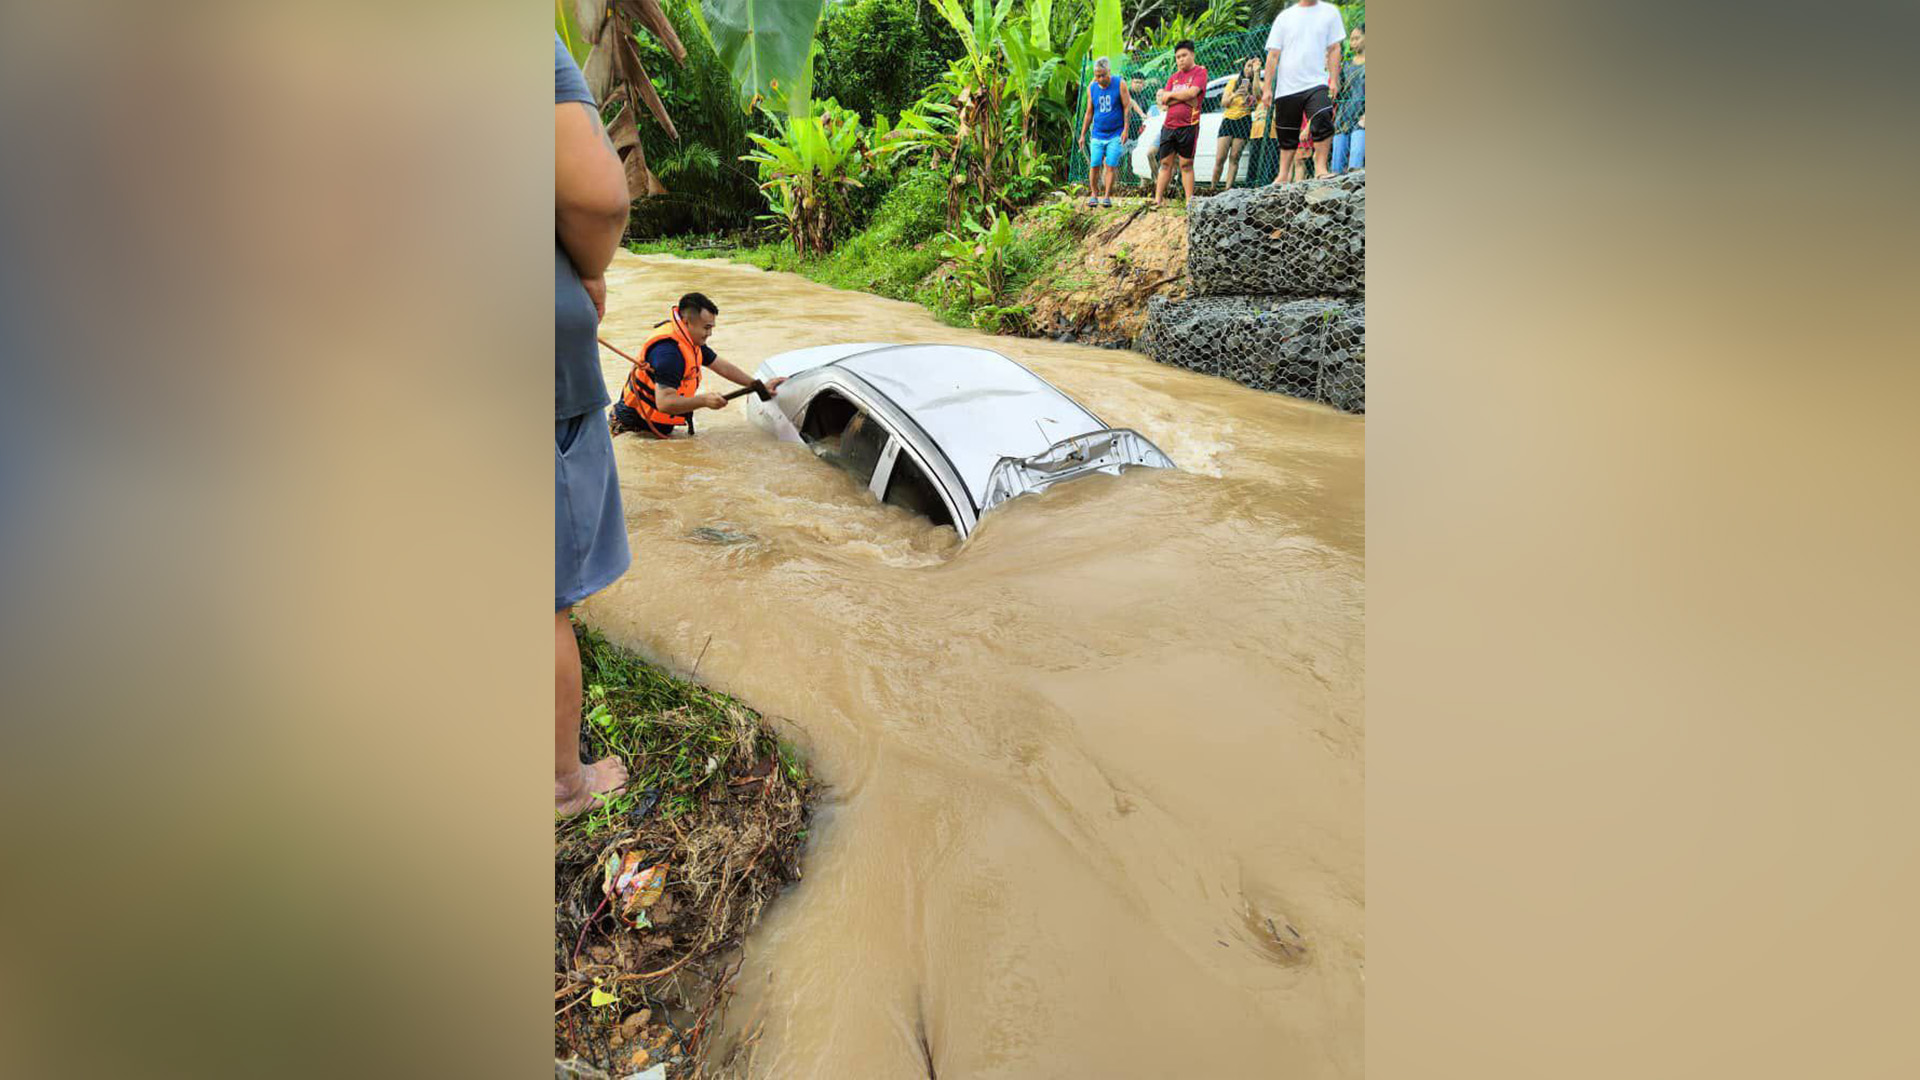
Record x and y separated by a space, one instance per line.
874 141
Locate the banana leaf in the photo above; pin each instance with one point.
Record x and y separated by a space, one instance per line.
956 18
1107 30
767 44
627 59
1040 19
578 23
1020 62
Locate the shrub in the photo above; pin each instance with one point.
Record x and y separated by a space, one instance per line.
876 56
914 210
809 168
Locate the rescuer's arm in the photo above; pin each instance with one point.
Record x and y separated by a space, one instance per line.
731 372
671 403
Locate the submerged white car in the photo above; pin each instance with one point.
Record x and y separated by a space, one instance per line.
946 431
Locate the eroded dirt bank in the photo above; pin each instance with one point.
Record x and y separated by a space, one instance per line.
1098 293
1093 781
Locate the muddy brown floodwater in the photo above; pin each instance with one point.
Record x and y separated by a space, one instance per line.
1095 777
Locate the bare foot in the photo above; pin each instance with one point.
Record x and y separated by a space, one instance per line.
603 777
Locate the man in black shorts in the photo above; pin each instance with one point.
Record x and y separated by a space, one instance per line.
1180 131
1304 47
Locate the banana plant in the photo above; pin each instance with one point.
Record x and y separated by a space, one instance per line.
1044 80
1220 17
612 66
764 43
808 166
981 33
977 117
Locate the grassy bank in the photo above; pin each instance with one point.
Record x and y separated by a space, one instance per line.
906 253
716 811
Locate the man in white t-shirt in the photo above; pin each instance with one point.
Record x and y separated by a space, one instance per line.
1305 47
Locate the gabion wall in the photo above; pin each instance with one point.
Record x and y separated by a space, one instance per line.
1314 348
1279 275
1299 239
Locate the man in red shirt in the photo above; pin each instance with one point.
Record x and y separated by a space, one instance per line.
1180 131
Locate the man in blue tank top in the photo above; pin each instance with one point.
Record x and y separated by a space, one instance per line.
1107 105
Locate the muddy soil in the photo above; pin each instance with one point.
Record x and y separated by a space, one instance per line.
1098 295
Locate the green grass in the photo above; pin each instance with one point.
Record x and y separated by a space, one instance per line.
865 262
674 735
898 255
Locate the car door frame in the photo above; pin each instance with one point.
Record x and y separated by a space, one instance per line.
896 423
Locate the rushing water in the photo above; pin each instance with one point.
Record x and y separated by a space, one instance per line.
1095 777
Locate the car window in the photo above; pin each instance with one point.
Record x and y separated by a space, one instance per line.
844 434
860 446
827 416
910 489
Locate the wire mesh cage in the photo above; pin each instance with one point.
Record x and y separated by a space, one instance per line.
1277 272
1307 347
1302 239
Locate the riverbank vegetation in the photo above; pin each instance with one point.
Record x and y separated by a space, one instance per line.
653 888
1056 268
911 148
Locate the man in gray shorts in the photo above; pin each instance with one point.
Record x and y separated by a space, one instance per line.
589 529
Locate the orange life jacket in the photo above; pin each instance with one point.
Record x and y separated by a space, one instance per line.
638 394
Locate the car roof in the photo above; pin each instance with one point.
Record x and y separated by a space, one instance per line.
976 404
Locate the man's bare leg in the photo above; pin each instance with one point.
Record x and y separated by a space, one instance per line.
574 784
1160 180
1286 167
1320 151
1186 177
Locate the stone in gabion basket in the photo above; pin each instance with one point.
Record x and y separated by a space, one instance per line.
1313 348
1301 239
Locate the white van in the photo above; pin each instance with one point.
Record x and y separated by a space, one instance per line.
1204 150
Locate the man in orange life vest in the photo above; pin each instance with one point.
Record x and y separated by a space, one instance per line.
663 390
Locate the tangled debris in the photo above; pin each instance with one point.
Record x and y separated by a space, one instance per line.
653 889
